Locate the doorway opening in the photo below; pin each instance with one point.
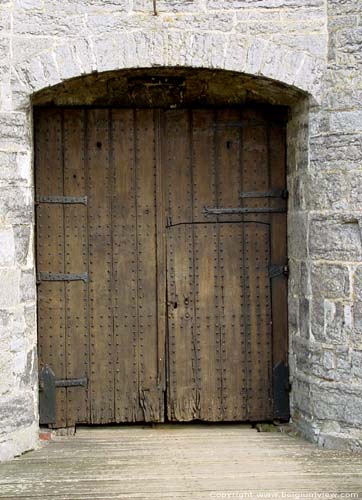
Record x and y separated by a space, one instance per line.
161 261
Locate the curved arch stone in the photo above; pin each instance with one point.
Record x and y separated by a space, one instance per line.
141 49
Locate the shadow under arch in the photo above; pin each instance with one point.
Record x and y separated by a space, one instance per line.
167 87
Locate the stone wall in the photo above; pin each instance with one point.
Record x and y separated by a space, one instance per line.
46 42
326 286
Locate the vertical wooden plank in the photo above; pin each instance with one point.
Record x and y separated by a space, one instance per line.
228 151
100 267
258 320
233 343
161 256
231 267
279 246
182 367
151 395
50 248
76 261
183 403
124 231
177 167
206 262
255 176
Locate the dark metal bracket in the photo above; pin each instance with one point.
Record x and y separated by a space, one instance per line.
47 390
274 193
281 388
62 277
240 124
275 271
63 200
71 382
242 210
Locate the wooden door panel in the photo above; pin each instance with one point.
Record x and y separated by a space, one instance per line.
105 329
100 267
258 321
75 262
124 245
150 250
233 324
50 250
183 350
150 393
232 152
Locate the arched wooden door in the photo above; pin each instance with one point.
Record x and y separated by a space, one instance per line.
161 253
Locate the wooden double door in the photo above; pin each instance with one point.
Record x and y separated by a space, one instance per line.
161 241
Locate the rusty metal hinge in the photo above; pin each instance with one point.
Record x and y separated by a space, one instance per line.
47 385
275 271
42 276
63 200
274 193
281 388
71 382
242 210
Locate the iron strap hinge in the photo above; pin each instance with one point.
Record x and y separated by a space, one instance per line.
242 210
63 200
71 382
275 271
47 392
62 277
274 193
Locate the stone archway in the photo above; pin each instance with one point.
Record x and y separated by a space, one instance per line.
257 57
286 76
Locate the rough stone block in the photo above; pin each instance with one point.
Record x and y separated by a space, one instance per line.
266 4
7 247
19 440
16 412
293 314
17 205
335 238
255 56
304 317
85 54
346 122
33 47
47 23
349 40
167 6
327 191
297 235
23 244
330 281
71 8
336 151
331 321
67 62
346 8
207 51
15 131
237 52
27 286
294 277
342 405
356 362
15 168
10 288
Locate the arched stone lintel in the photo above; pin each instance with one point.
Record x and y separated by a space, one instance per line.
254 56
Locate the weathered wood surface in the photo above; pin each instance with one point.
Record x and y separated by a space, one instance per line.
180 461
177 311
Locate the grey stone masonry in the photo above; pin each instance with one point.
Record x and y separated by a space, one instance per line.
325 294
312 46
